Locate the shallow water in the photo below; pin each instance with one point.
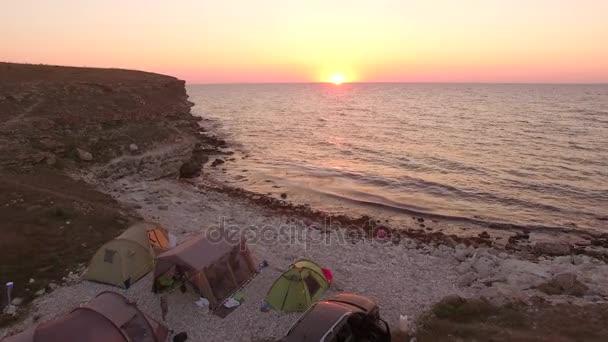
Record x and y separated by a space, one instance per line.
531 155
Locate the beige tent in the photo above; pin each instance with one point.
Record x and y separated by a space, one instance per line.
129 257
109 317
215 269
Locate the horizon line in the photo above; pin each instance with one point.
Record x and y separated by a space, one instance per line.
308 82
403 82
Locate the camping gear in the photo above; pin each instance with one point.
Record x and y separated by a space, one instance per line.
231 303
109 317
404 324
328 275
298 287
265 307
124 260
263 264
9 289
202 303
215 269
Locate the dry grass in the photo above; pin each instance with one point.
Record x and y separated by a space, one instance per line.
478 320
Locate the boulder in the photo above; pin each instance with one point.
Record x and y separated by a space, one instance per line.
565 283
552 248
133 148
17 301
217 162
563 260
463 268
484 235
50 159
501 294
84 155
580 259
467 279
461 254
10 310
190 169
484 266
451 300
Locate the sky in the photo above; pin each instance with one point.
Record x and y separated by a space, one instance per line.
232 41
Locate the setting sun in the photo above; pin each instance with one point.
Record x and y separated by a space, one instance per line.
337 79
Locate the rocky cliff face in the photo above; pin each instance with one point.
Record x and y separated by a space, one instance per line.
59 117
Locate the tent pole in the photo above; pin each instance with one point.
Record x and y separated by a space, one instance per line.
236 284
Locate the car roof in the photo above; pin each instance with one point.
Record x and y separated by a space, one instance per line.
315 322
360 302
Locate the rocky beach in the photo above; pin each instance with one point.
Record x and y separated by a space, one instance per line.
86 152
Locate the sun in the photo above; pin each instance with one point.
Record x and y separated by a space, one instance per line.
337 79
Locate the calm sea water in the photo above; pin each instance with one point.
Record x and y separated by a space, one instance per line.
531 155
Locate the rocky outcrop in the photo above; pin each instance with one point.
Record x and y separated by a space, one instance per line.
564 283
552 248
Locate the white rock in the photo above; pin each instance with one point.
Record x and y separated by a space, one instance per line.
10 310
463 267
461 254
580 259
32 280
467 279
17 301
40 292
484 266
133 148
84 155
566 259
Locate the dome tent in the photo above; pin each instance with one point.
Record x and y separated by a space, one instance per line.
130 256
297 288
109 317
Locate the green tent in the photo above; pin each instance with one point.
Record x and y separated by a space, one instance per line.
298 287
122 261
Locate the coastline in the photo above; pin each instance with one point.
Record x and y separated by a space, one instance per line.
418 267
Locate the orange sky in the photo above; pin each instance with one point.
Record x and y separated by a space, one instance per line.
309 41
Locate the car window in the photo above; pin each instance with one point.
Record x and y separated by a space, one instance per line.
345 334
340 332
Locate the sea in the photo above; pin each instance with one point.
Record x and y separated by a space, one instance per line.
523 155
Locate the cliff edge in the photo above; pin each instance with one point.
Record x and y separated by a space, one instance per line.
58 122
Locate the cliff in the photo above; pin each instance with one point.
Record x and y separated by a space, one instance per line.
57 123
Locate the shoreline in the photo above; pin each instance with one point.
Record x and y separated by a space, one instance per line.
422 226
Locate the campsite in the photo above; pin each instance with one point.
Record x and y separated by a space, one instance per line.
216 272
